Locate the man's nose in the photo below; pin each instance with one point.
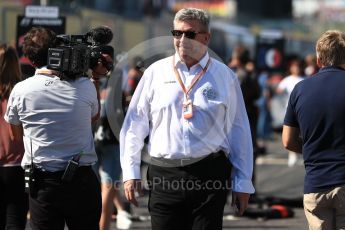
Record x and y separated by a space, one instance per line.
183 38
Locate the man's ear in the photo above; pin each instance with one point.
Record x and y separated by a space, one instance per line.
318 62
208 38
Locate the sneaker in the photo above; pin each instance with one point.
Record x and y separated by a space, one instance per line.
123 220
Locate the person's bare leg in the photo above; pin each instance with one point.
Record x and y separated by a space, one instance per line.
118 201
108 194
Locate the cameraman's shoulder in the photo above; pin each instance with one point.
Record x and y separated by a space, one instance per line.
17 89
23 87
84 81
26 83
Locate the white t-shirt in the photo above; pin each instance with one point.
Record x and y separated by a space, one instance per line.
288 83
56 118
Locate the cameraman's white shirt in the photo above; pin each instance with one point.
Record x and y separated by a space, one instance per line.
56 117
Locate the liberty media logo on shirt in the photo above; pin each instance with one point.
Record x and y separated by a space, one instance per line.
209 93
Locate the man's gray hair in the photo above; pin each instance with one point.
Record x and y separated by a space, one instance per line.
188 14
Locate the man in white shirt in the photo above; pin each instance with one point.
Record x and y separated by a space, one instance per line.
191 107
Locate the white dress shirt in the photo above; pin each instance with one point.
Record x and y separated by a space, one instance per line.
219 119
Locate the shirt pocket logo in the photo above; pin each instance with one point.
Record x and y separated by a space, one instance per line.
209 93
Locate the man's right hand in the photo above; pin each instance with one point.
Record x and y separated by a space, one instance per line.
100 70
130 187
240 200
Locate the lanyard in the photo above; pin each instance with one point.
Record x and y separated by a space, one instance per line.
195 79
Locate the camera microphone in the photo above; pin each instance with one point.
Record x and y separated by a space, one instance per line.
101 35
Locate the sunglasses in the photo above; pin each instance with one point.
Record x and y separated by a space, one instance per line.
187 34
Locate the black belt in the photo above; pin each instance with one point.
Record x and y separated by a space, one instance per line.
163 162
58 174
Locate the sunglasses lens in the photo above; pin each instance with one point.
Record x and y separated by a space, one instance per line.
176 33
190 34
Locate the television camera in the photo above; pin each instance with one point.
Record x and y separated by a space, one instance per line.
75 54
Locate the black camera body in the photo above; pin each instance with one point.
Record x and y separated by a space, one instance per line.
70 59
75 54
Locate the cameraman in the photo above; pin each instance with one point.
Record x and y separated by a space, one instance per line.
54 117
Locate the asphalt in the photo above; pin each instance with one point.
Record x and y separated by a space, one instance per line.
276 184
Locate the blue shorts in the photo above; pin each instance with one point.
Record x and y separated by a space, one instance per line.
109 163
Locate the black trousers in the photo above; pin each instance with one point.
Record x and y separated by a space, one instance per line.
76 203
190 197
13 200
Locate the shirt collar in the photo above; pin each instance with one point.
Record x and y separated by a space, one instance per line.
45 71
40 69
203 61
327 68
